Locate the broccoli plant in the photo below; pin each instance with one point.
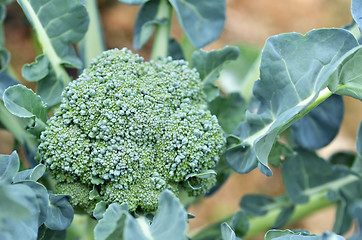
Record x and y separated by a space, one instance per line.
121 147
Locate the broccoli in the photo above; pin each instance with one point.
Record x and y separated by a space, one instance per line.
127 129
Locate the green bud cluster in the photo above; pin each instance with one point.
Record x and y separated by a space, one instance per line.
128 129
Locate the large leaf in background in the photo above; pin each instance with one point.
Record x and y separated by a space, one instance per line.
321 125
209 65
356 9
147 19
303 172
170 222
201 20
294 70
230 111
58 23
23 102
299 235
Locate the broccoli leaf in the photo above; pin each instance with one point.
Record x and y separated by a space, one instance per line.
5 82
356 9
230 111
295 72
23 102
37 70
9 166
202 20
58 23
320 126
170 222
60 212
349 77
227 233
240 223
33 174
209 65
112 225
299 235
146 20
48 234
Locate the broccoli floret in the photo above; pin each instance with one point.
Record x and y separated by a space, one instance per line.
131 129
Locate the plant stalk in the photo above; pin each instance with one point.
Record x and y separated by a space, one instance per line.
161 40
257 225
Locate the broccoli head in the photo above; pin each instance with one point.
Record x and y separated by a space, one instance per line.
127 129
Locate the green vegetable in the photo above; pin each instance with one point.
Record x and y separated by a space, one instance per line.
126 130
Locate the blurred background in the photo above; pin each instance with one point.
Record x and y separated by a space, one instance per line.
248 25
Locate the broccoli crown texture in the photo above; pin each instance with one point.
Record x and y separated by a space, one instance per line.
127 129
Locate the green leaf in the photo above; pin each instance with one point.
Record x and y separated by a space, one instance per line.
16 201
50 89
256 204
37 70
111 226
99 210
9 166
320 126
202 20
356 212
58 23
41 201
19 212
350 76
133 2
33 174
294 74
357 165
240 223
147 19
23 102
209 65
60 212
303 172
230 111
284 216
48 234
299 235
175 50
356 12
170 221
4 59
278 153
342 158
5 82
227 233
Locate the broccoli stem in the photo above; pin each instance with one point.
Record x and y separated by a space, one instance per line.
257 225
160 42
